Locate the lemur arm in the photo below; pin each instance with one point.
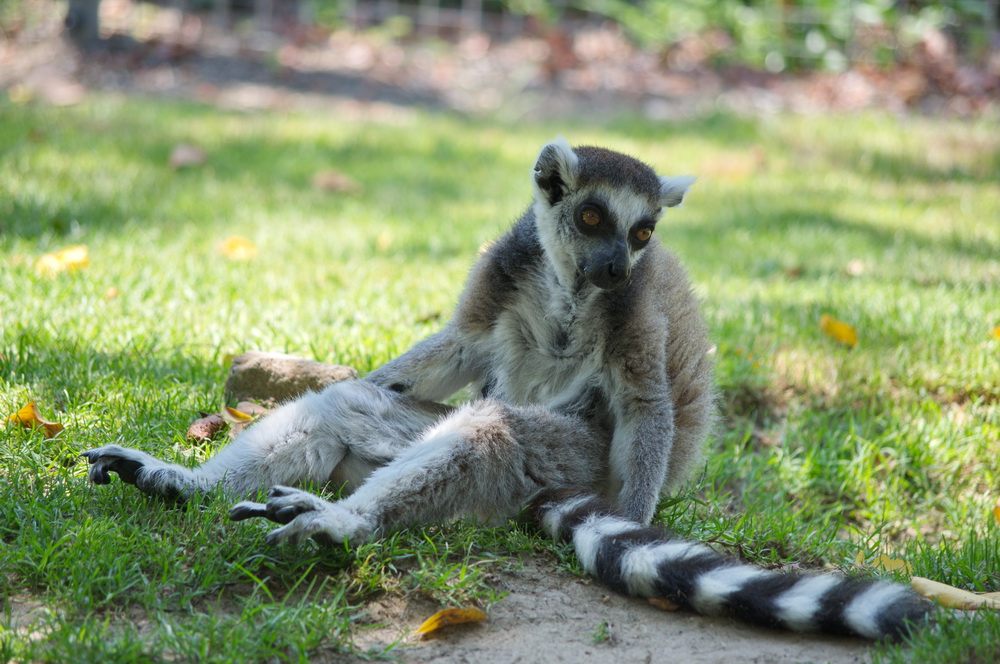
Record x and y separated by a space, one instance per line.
433 370
644 432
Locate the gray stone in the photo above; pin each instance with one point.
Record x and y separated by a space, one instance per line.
275 377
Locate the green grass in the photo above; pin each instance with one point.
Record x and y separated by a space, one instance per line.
822 452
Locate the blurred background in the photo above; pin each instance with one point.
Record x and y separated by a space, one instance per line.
517 58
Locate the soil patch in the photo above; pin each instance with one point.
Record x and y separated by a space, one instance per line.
551 616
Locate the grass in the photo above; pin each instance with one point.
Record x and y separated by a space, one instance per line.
822 453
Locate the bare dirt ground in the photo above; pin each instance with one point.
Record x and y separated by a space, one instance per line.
552 616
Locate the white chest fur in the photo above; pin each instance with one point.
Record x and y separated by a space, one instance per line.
545 349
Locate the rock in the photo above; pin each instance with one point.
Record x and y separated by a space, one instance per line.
276 377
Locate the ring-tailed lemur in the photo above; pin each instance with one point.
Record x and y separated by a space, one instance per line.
582 335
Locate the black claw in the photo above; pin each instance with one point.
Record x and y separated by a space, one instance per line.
324 540
286 514
277 492
272 539
242 512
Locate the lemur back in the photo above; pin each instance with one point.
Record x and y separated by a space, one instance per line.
587 348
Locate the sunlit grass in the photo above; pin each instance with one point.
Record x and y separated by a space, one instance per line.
822 453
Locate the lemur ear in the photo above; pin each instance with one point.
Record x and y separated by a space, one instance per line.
555 170
672 190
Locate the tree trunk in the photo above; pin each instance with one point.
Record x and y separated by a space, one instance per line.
82 23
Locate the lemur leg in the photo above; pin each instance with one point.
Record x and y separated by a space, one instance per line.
338 435
487 459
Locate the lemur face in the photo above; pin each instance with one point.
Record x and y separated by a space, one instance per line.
596 211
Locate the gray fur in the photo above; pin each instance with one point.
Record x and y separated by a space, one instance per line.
588 349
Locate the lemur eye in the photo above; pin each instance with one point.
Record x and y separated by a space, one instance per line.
590 216
643 234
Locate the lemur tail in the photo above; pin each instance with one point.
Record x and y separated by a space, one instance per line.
649 562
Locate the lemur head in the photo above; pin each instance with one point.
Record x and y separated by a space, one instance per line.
596 210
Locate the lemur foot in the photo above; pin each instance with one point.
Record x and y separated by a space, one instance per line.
147 473
305 515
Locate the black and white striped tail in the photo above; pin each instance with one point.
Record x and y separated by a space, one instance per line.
644 561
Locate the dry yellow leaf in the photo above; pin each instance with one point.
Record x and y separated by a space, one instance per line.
996 332
854 268
237 248
20 94
996 514
885 563
67 259
254 410
446 617
237 420
954 598
383 241
838 330
234 416
30 417
663 604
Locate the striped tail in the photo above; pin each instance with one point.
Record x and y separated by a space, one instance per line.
649 562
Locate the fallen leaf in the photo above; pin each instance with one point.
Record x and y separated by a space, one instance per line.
996 514
383 241
20 94
237 248
67 259
206 427
838 330
735 165
235 416
446 617
237 420
254 410
885 563
854 268
794 272
30 418
663 604
185 155
336 182
954 598
996 332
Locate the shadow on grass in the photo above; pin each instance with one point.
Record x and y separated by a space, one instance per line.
101 168
774 221
978 165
